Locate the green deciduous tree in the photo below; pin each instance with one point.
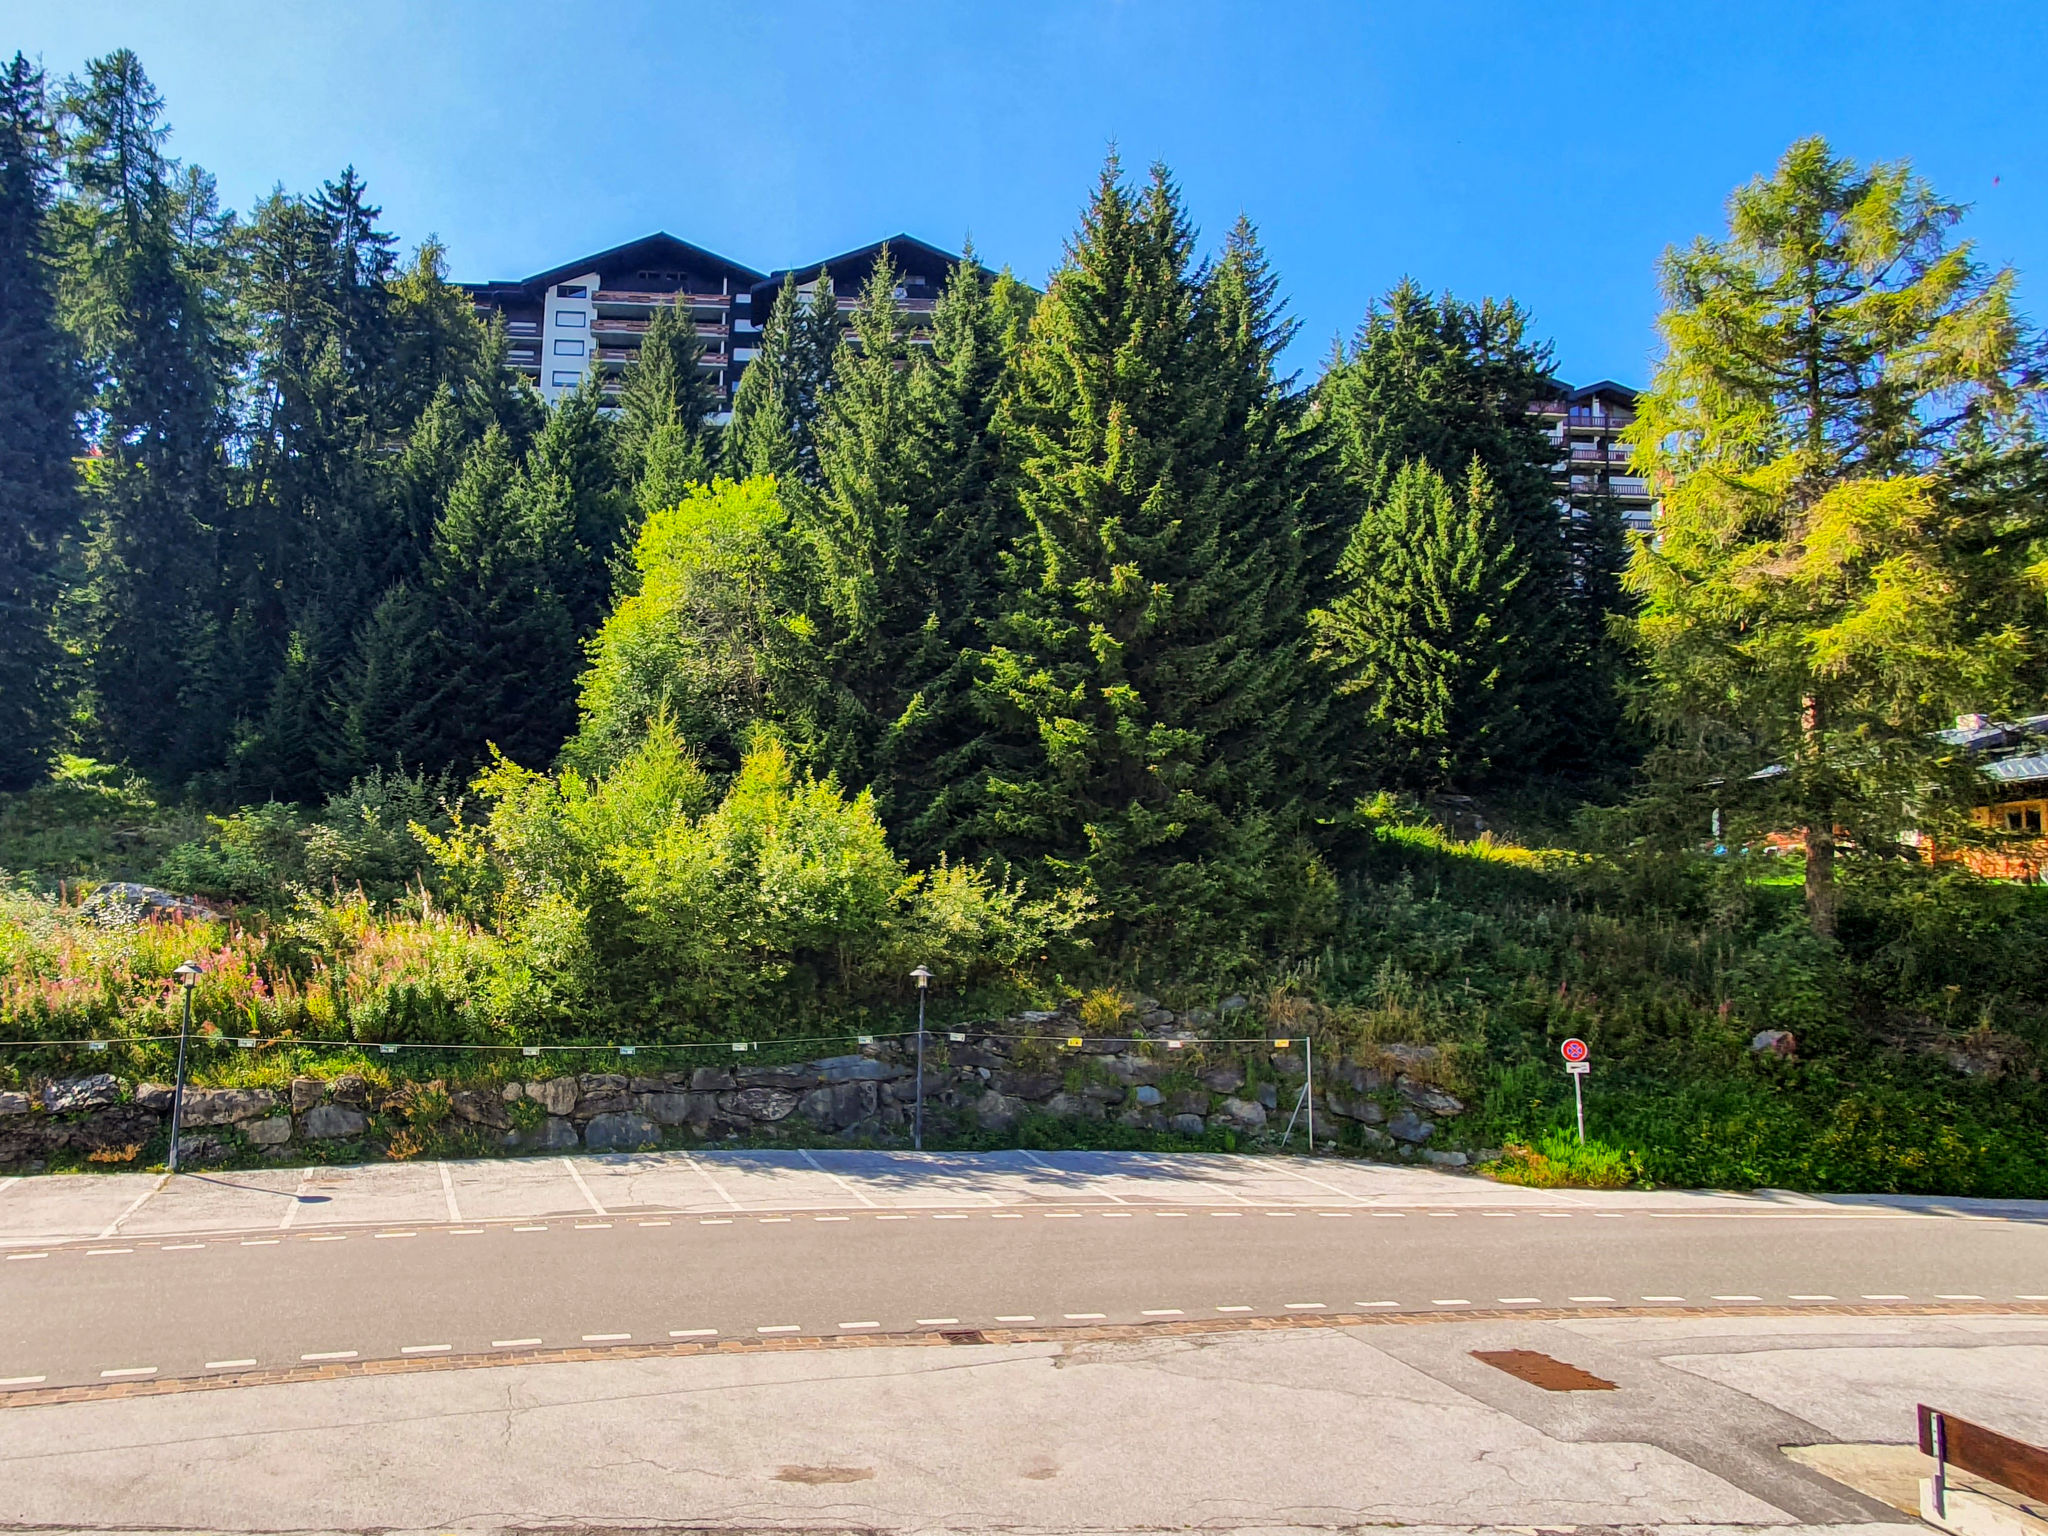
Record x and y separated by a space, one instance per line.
1840 426
39 396
1422 636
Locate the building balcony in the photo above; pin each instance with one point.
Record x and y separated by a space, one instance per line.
708 331
628 304
522 327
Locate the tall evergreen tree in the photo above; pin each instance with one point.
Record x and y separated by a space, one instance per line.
576 503
1443 382
775 410
1422 635
483 654
1843 424
666 402
142 291
1150 680
39 501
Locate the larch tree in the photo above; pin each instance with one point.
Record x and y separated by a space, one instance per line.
1841 429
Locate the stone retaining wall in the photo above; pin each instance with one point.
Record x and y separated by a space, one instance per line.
982 1081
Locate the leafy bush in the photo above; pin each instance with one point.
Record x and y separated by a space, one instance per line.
1560 1160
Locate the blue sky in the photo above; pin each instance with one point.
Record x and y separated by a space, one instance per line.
1550 152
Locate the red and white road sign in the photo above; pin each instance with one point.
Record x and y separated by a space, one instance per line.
1574 1049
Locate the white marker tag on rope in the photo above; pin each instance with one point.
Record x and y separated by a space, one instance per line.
95 1045
863 1039
629 1050
388 1050
529 1050
956 1035
741 1045
1174 1045
247 1044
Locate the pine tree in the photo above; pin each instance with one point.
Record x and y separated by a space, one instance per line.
39 500
440 342
1842 422
1422 635
142 250
1150 677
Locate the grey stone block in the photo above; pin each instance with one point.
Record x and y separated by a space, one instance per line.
671 1108
273 1132
1148 1096
858 1069
1410 1127
1249 1113
154 1096
710 1079
998 1111
1027 1085
479 1109
306 1092
621 1133
76 1093
1074 1106
13 1103
769 1104
351 1090
226 1106
557 1095
1223 1079
333 1122
1188 1125
1444 1159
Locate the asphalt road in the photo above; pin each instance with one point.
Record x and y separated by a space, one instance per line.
877 1252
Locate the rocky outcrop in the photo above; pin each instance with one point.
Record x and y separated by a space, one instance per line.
118 903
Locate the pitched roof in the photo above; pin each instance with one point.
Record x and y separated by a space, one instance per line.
659 246
898 246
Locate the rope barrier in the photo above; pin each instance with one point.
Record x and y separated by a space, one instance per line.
392 1047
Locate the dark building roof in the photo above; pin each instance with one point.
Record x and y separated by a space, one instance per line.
849 269
660 252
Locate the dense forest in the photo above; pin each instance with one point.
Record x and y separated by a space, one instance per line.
1061 634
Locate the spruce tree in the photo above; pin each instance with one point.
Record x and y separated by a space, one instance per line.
142 251
776 408
575 503
39 499
1422 636
666 402
1441 381
497 661
1150 675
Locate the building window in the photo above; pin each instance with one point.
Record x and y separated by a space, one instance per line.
566 380
568 346
571 319
572 291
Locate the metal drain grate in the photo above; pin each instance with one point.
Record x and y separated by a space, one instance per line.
1541 1370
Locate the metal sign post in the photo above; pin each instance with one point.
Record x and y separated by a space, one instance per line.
1574 1053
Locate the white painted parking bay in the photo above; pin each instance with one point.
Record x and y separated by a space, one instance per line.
708 1184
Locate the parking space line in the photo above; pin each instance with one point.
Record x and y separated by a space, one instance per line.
575 1174
291 1212
1281 1167
1039 1162
705 1174
448 1192
845 1184
139 1201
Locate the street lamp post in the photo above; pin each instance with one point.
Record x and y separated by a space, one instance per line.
923 978
187 977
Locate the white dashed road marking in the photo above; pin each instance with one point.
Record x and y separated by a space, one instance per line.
22 1381
331 1354
424 1349
513 1343
860 1325
691 1333
778 1328
606 1338
129 1370
229 1365
933 1322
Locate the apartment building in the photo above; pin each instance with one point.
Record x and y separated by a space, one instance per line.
1585 424
592 313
